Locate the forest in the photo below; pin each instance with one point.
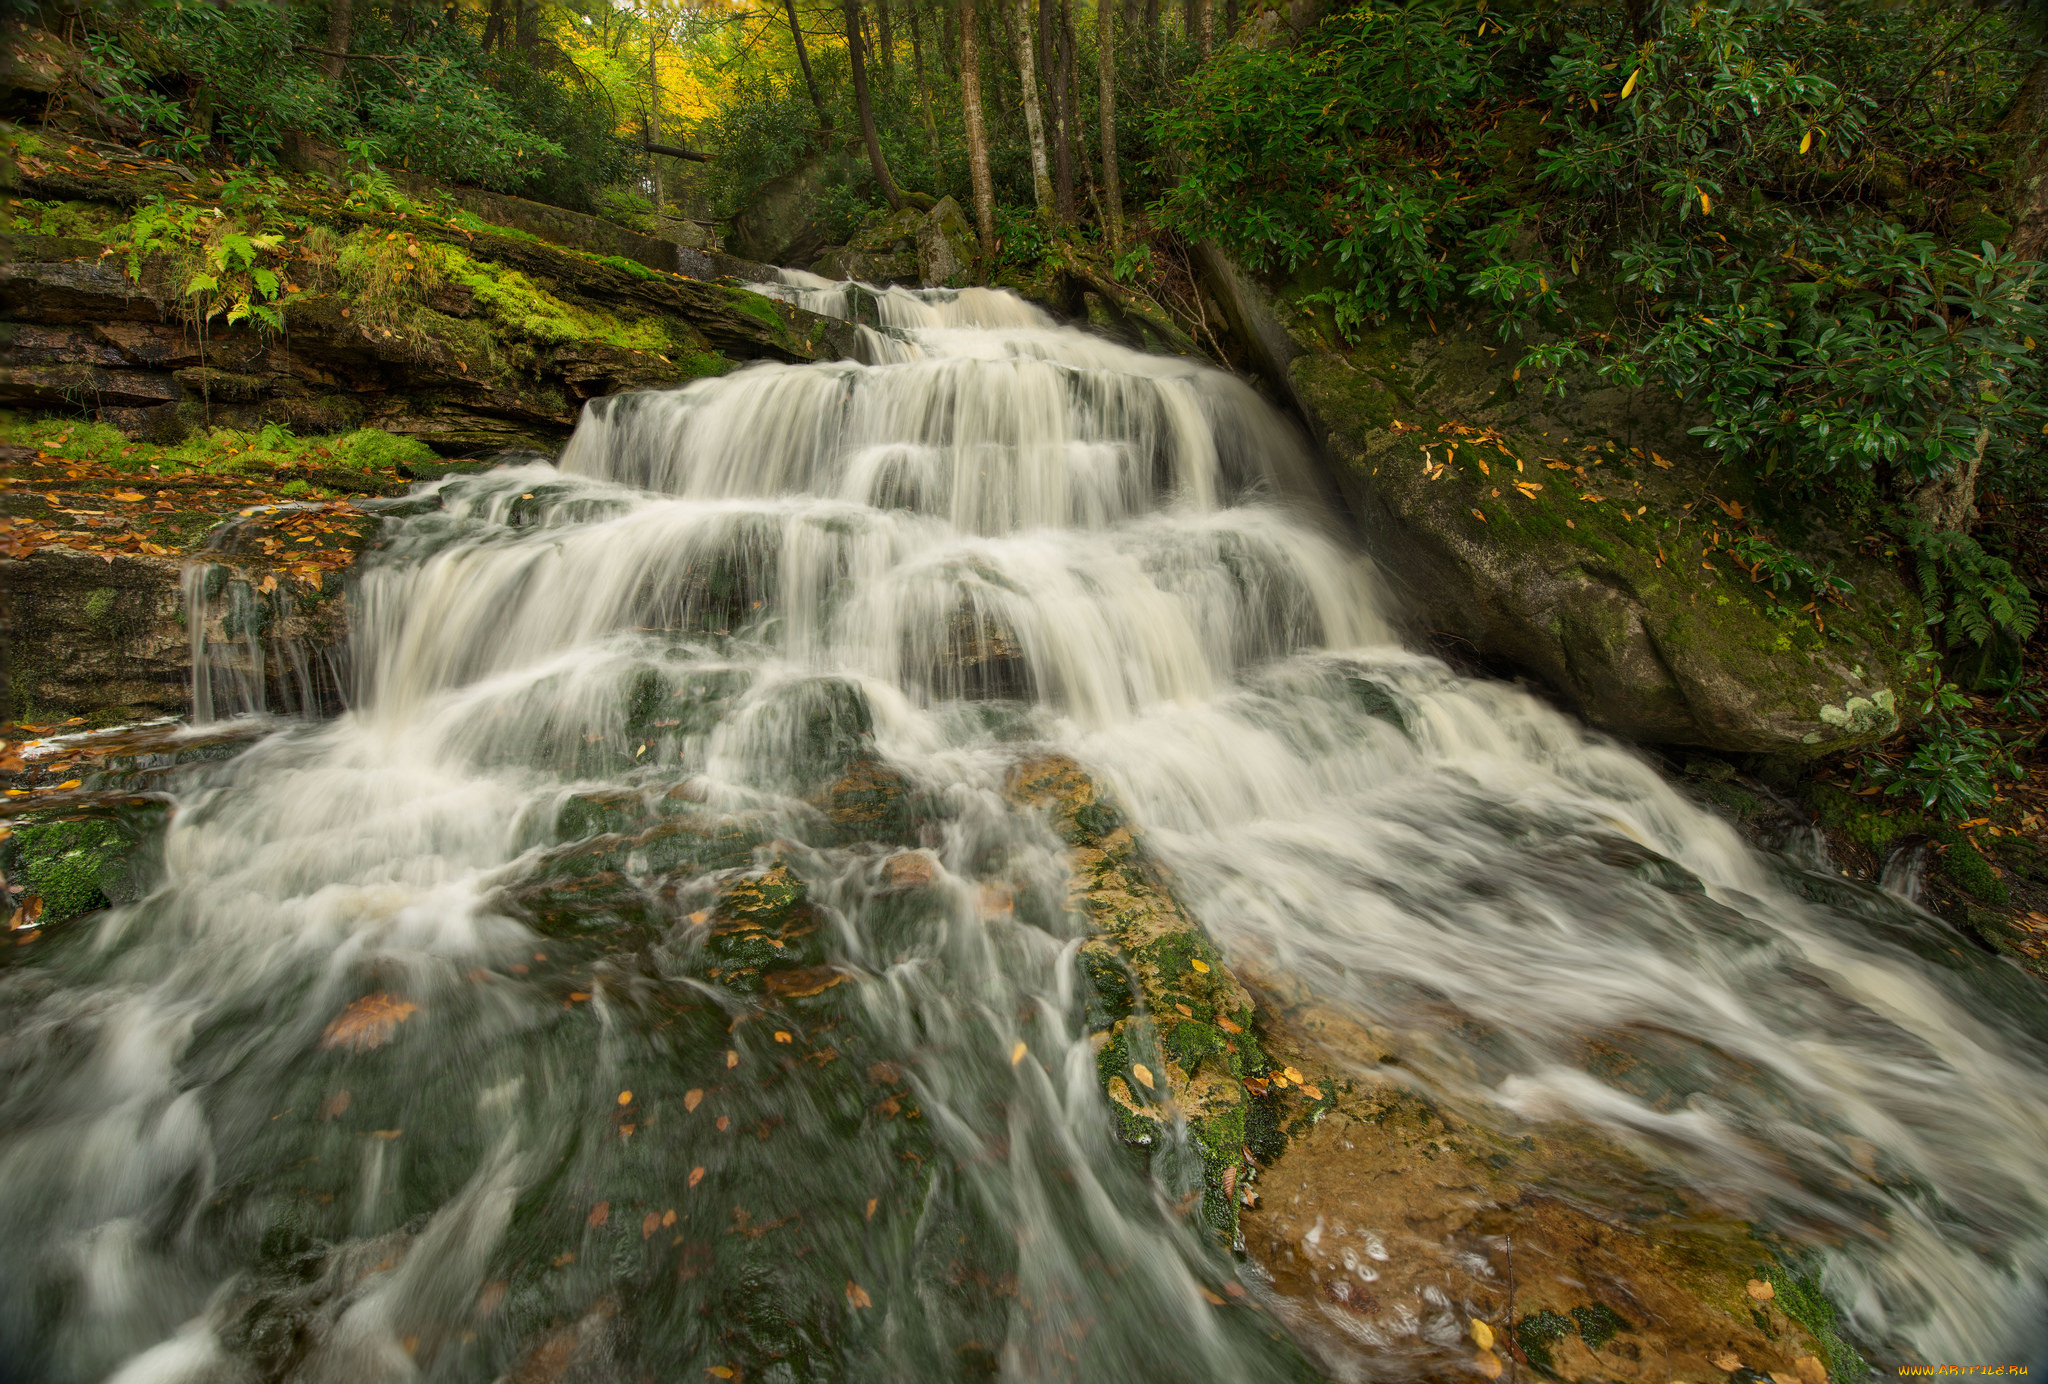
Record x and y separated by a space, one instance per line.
1023 689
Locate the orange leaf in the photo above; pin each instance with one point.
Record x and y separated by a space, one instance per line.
599 1213
650 1223
692 1098
1143 1073
857 1296
696 1176
732 1058
625 1098
369 1022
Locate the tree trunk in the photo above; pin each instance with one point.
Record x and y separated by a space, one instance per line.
977 138
886 52
1105 60
866 109
494 26
653 132
1195 21
803 60
340 29
1229 20
1061 62
2027 124
1152 43
924 91
526 25
1034 117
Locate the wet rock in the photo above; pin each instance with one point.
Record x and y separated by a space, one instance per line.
1169 1022
80 635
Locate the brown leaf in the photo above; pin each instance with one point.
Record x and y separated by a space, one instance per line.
857 1296
650 1223
800 984
692 1098
696 1176
1760 1290
599 1214
369 1022
1143 1073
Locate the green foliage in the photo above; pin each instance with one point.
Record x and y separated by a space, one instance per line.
1679 197
213 264
244 77
1954 768
73 867
1800 1297
1973 595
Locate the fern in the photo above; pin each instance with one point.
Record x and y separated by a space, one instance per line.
1972 594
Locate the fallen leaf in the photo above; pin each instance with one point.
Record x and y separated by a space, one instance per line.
1760 1290
1727 1363
668 1218
856 1296
696 1176
1291 1075
1227 1026
69 784
599 1214
720 1371
1017 1054
1811 1370
625 1098
1487 1363
649 1224
724 1123
368 1023
1143 1073
732 1058
1312 1092
1482 1334
1200 965
872 1201
692 1098
1211 1298
1481 517
783 1036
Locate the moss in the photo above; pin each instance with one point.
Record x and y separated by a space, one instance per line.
1537 1333
761 308
99 604
1598 1324
1799 1297
1962 866
75 867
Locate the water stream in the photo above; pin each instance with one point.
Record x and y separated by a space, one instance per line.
424 1059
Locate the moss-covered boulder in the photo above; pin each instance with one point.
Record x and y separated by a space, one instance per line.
1590 545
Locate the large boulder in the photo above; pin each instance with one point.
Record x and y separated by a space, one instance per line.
782 224
947 247
1587 542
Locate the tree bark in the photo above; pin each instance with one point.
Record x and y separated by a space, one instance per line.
526 25
977 138
1105 61
1034 116
494 26
924 90
653 131
2027 123
885 53
866 110
1060 61
803 60
340 29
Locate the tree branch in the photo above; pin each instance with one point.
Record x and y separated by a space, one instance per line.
674 151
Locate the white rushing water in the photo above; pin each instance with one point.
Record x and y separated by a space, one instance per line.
1001 535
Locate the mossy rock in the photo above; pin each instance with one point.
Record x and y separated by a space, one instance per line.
1545 537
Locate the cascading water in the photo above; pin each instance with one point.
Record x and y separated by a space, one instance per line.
427 1056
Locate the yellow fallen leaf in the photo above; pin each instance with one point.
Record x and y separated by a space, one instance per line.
783 1036
732 1058
68 784
1806 142
1291 1075
1706 204
856 1296
1017 1054
625 1098
872 1203
368 1023
692 1098
1200 965
720 1371
1227 1026
1312 1092
1811 1370
1760 1290
1482 1334
1487 1363
1143 1073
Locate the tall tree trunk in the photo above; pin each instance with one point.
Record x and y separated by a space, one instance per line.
1034 116
1229 20
341 24
924 91
1152 37
1105 66
526 25
977 138
866 109
654 130
803 60
494 26
1060 61
949 41
1196 24
886 53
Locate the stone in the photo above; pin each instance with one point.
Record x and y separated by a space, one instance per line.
947 248
782 224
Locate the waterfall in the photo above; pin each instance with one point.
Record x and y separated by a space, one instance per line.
426 1056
